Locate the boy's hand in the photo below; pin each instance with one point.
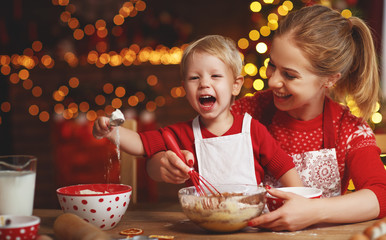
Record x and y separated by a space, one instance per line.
173 169
101 128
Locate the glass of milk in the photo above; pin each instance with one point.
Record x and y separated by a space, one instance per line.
17 184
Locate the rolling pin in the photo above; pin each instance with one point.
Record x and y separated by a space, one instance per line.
69 226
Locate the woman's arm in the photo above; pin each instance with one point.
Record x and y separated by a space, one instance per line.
291 179
299 212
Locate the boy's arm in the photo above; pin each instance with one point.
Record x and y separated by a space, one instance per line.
130 141
291 179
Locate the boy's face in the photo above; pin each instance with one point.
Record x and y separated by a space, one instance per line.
210 85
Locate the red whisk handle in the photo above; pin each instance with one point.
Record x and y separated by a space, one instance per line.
172 144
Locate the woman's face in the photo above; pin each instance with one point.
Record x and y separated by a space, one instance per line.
296 89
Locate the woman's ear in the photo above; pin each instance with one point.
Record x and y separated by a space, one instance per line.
239 81
332 80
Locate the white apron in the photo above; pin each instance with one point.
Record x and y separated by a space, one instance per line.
226 159
319 168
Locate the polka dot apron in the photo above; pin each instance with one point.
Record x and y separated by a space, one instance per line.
319 168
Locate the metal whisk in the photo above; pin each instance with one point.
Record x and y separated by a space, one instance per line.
200 183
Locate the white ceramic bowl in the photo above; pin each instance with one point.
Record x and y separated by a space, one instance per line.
19 227
102 205
228 213
274 203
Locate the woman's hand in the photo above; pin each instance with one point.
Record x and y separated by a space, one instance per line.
168 167
296 213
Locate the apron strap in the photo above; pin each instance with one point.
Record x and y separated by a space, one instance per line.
246 123
196 128
328 127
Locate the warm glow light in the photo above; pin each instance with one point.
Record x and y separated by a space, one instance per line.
108 88
140 5
37 91
100 24
118 19
346 13
102 33
33 110
263 72
78 34
261 47
64 90
258 84
266 61
268 1
243 43
289 5
141 96
73 82
250 69
255 6
254 35
91 115
89 29
152 80
84 106
376 118
73 23
120 91
100 100
116 103
58 96
37 46
5 107
265 31
92 57
5 70
282 10
65 16
44 116
23 74
151 106
27 84
273 25
160 101
133 101
14 78
59 108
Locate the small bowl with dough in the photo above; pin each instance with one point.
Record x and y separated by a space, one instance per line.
102 205
229 212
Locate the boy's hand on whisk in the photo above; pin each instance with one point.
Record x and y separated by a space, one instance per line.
101 128
173 169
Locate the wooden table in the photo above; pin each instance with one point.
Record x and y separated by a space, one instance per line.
177 224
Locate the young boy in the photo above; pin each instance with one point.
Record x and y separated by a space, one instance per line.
228 148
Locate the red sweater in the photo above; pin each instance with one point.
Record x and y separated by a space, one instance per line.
357 153
267 153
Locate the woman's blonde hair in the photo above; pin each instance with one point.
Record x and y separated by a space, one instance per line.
334 44
221 47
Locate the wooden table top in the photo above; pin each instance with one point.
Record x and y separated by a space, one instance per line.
178 225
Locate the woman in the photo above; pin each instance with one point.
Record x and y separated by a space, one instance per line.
317 54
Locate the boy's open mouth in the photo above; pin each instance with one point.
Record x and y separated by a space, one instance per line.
207 101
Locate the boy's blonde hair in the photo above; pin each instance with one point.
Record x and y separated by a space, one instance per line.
334 44
221 47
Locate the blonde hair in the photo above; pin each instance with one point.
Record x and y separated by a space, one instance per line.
221 47
334 44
